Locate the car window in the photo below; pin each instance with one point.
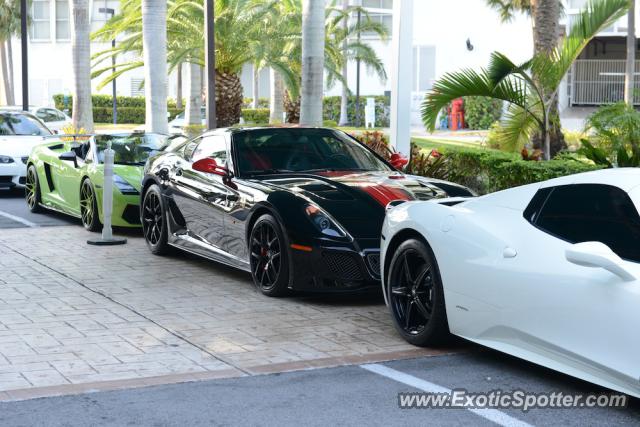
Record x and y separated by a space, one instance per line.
21 124
593 212
59 115
130 149
213 146
301 150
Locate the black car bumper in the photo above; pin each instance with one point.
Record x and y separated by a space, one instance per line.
330 266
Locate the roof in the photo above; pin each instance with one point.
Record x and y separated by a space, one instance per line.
624 178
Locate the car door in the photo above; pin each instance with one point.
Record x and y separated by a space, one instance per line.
202 197
67 176
586 316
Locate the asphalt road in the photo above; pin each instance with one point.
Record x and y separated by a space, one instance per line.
14 213
351 395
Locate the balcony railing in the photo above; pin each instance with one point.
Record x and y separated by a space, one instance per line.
601 81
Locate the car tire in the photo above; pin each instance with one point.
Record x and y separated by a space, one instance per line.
416 296
32 193
89 207
269 257
154 221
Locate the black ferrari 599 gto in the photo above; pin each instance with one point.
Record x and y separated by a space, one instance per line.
299 208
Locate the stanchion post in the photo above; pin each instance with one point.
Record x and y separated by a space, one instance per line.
107 203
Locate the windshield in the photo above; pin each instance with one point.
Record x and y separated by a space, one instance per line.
131 149
301 150
21 124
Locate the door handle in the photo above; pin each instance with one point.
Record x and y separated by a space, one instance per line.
509 252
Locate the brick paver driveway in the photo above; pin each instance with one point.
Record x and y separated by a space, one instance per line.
71 313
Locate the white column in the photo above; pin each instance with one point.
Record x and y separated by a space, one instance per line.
402 75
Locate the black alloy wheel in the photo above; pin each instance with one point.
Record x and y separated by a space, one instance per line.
89 207
32 190
269 258
154 225
415 294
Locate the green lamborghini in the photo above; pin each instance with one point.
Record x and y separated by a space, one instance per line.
67 176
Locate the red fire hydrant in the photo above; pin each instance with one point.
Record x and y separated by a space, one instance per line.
456 117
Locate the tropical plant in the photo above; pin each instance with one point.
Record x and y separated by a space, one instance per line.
615 136
82 114
431 163
530 88
545 15
481 112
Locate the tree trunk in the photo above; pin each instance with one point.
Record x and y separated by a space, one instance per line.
256 86
313 33
629 78
11 91
82 112
228 99
179 87
344 96
193 115
154 46
276 102
4 70
292 107
546 35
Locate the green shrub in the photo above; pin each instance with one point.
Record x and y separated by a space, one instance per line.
128 115
253 116
330 124
262 103
331 109
615 139
481 112
486 171
131 109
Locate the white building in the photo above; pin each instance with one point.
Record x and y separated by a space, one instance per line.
448 35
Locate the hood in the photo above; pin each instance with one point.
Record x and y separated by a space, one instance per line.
358 200
19 145
131 174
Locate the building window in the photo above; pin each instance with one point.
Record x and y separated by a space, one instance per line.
62 20
40 20
378 4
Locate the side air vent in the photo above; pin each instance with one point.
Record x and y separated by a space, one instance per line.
47 172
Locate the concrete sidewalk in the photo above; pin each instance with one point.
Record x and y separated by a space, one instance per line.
74 314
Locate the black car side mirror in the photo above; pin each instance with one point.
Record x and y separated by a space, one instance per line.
69 156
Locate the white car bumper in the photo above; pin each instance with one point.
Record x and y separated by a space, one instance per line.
13 174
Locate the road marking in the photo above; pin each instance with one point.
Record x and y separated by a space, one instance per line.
18 219
493 415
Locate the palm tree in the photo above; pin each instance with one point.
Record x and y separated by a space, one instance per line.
276 102
193 114
9 27
154 50
631 55
336 52
530 88
545 15
235 27
80 52
344 94
313 35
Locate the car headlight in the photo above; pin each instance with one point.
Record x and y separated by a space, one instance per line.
123 186
323 222
6 159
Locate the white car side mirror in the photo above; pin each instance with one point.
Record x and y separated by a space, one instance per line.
598 255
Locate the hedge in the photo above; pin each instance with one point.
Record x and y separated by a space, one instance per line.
481 112
106 101
254 116
129 115
486 171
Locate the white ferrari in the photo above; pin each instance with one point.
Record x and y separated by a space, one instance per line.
548 272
